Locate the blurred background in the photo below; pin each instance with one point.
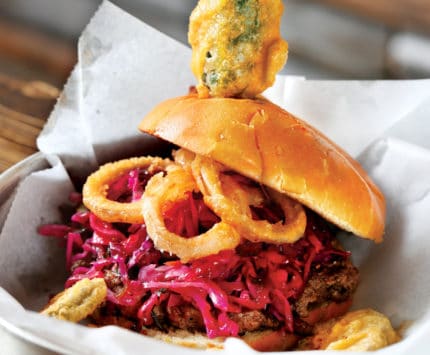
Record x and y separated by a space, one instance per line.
328 39
365 39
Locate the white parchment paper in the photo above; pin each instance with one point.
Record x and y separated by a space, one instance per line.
125 68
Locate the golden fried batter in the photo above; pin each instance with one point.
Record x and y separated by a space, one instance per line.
237 48
361 330
78 301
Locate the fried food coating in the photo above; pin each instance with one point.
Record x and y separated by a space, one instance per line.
78 301
361 330
237 48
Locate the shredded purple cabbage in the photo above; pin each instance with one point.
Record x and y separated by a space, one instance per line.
255 276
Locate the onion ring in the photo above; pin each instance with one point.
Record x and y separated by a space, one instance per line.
96 188
172 187
231 201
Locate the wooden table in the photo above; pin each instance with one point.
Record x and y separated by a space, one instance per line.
26 53
24 107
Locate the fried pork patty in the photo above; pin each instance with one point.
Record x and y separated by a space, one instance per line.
334 282
327 283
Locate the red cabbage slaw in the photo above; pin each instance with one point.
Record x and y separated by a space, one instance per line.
254 276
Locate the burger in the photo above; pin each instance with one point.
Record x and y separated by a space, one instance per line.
276 289
232 235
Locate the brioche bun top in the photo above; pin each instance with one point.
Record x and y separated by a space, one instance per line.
260 140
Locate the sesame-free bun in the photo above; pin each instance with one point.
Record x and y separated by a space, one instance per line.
263 340
260 140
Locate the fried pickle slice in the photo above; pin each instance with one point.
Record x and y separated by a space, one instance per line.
237 48
362 330
77 302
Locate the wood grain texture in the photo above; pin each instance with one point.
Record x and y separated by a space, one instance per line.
33 98
36 48
19 128
32 63
24 107
13 152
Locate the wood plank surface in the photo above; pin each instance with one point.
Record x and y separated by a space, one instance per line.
50 55
33 63
24 107
33 98
19 128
